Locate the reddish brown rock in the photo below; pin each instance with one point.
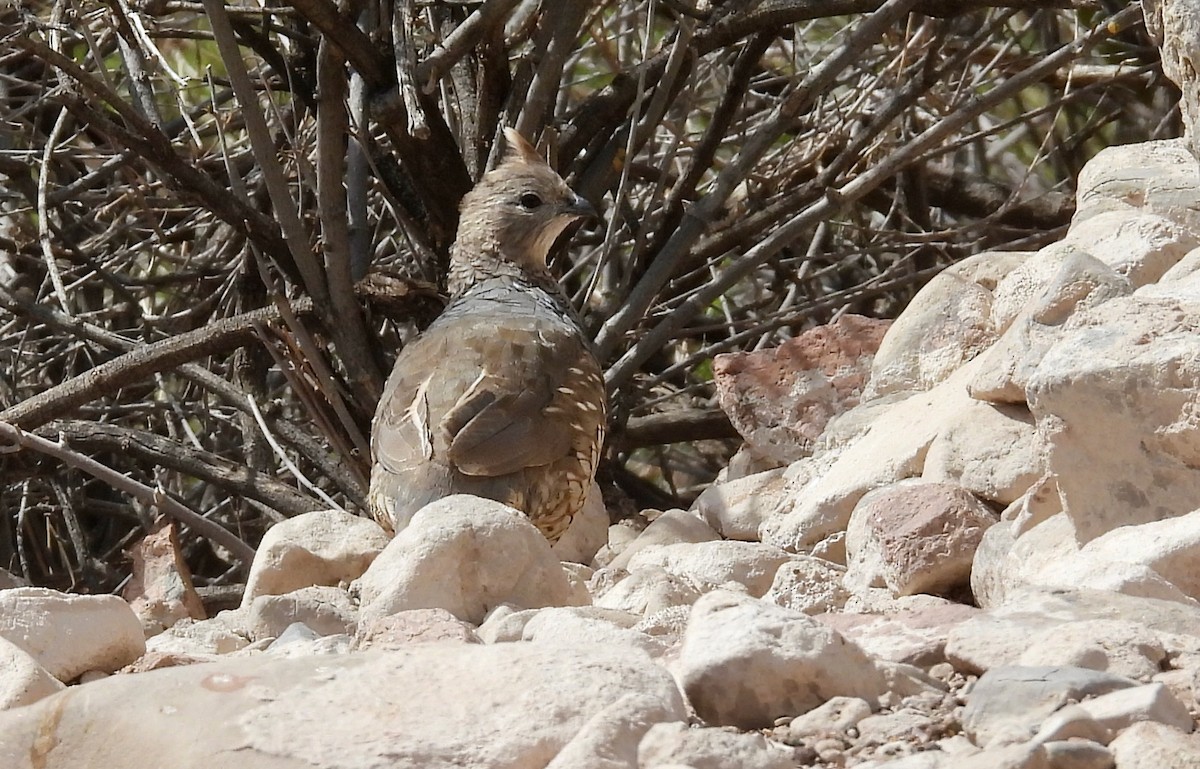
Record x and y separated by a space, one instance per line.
915 537
161 660
781 399
161 591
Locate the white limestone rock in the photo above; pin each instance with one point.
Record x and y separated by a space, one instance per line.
1000 636
1026 756
1158 177
991 450
746 663
396 631
1152 745
1072 722
1035 506
1048 556
620 536
466 555
425 705
708 565
210 637
1186 268
1119 647
571 626
647 591
22 680
1169 549
911 634
325 547
1175 26
945 325
1121 709
991 574
299 640
508 625
610 738
1116 404
736 509
892 449
1036 305
71 634
808 584
672 527
833 717
1139 245
1078 754
707 748
1008 705
326 610
929 759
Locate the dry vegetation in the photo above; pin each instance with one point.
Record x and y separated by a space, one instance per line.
219 222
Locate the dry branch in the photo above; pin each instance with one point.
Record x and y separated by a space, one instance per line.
240 551
762 168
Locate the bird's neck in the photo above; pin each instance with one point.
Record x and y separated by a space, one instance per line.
473 260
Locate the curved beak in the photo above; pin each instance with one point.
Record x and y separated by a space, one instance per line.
580 209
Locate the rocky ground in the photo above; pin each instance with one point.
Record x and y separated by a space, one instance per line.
967 539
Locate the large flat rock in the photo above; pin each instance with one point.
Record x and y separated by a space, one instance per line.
430 705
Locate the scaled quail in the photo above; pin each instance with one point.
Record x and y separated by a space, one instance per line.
501 396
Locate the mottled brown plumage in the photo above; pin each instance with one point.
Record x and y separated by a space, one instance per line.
501 396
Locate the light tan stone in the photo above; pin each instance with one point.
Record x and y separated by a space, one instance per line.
325 547
426 705
325 609
1175 26
416 626
707 565
737 509
1139 245
1035 305
1156 176
1185 268
467 555
808 584
1121 709
609 739
1009 704
991 450
708 748
745 662
648 591
1117 403
1150 745
892 449
71 634
911 634
670 528
1169 548
945 325
1120 647
22 680
223 634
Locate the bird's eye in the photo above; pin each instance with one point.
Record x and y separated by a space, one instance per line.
530 201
